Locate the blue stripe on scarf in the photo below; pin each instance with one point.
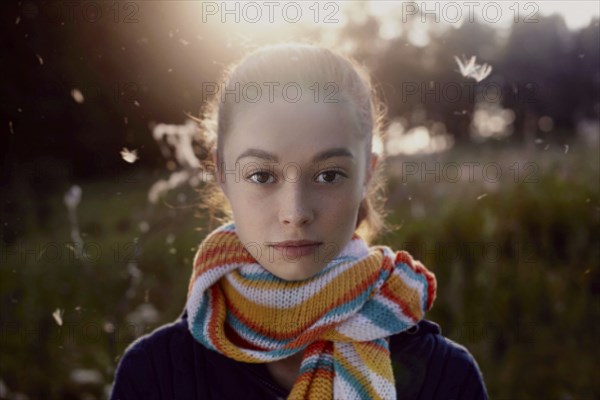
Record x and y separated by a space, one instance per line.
256 337
382 316
198 322
343 373
417 277
350 306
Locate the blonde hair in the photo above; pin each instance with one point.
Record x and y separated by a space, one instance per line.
309 64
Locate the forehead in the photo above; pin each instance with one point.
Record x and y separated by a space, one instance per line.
293 129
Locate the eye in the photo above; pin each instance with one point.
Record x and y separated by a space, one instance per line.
262 177
330 176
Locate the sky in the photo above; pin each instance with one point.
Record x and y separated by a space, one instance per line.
396 17
577 14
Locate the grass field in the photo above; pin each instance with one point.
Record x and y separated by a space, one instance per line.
516 257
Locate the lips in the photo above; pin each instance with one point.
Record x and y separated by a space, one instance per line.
296 248
296 243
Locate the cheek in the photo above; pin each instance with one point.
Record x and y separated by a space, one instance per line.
340 204
244 205
252 206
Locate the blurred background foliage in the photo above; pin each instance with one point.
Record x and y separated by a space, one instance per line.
516 253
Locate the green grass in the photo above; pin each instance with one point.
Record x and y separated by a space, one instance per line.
517 269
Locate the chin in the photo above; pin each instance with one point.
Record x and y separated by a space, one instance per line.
293 274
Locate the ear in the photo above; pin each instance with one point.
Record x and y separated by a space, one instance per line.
370 170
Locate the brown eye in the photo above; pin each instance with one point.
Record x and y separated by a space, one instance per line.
263 177
330 176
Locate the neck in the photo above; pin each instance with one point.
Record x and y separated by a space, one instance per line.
284 372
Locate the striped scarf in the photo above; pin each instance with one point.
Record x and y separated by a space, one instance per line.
341 317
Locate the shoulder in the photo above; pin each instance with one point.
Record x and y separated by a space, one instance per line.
140 372
153 345
428 365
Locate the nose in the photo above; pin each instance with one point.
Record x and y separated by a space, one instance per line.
295 206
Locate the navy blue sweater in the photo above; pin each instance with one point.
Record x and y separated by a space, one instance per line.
169 364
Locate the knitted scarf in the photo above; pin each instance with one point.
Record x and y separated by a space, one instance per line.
341 317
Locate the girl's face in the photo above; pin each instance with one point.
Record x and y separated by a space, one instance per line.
292 172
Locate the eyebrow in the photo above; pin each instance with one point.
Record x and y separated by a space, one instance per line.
323 155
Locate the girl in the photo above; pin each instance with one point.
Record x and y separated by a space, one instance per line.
287 297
